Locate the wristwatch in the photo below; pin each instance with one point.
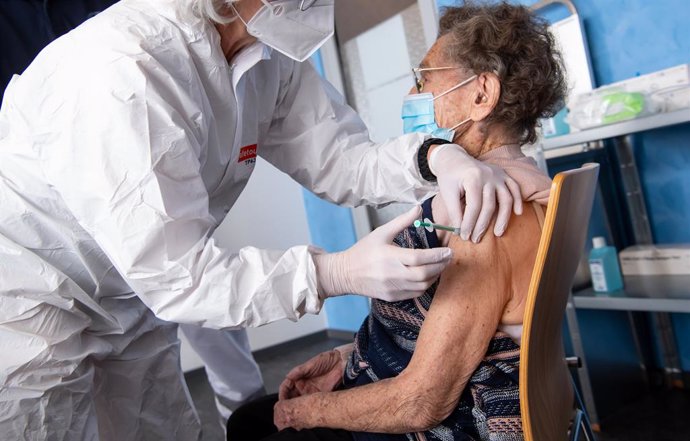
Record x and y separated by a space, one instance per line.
422 161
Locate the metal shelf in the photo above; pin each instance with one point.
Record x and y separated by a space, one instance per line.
618 129
641 293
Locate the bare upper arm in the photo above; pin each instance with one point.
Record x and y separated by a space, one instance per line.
463 317
472 297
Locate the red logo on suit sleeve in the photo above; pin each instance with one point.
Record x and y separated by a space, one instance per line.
247 153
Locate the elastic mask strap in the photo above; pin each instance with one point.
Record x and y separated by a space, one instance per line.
237 14
465 121
469 80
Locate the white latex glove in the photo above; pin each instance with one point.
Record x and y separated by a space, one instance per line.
374 267
460 175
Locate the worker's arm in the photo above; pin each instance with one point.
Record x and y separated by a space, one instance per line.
324 145
123 146
463 317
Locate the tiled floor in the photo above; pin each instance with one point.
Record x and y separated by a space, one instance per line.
663 416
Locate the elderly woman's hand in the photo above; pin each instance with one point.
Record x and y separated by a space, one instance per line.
284 415
322 373
459 175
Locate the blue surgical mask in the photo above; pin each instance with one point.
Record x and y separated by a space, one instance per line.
418 114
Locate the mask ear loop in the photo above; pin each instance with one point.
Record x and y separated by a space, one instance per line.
269 6
469 80
463 122
237 14
466 120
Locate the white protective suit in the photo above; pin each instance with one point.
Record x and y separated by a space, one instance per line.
122 147
231 370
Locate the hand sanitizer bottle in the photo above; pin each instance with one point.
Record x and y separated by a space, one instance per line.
603 264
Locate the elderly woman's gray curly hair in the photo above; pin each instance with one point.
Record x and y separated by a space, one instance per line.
214 10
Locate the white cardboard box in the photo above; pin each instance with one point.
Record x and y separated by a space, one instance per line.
647 260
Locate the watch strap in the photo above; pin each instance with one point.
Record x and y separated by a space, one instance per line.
423 162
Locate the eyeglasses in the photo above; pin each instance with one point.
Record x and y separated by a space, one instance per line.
419 81
306 4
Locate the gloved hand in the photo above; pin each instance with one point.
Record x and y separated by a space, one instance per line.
376 268
460 175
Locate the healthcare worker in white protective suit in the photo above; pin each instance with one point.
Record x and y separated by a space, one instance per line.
123 146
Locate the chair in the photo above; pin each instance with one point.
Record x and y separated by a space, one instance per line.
547 397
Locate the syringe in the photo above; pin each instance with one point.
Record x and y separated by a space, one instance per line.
430 226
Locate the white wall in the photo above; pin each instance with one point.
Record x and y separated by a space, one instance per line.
269 214
379 63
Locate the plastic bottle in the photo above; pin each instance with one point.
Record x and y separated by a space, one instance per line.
603 264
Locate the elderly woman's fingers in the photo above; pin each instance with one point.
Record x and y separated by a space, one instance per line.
299 371
280 416
286 389
308 369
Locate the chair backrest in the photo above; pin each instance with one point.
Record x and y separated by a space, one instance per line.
546 392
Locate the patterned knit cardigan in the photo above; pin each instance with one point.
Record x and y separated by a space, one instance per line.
489 407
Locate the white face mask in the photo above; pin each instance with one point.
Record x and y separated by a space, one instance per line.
285 27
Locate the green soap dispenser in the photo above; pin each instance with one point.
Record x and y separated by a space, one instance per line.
603 264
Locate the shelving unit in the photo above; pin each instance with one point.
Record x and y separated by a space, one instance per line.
622 128
660 295
641 293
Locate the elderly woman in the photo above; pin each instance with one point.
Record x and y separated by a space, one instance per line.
445 365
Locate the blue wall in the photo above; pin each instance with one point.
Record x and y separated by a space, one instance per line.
331 228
